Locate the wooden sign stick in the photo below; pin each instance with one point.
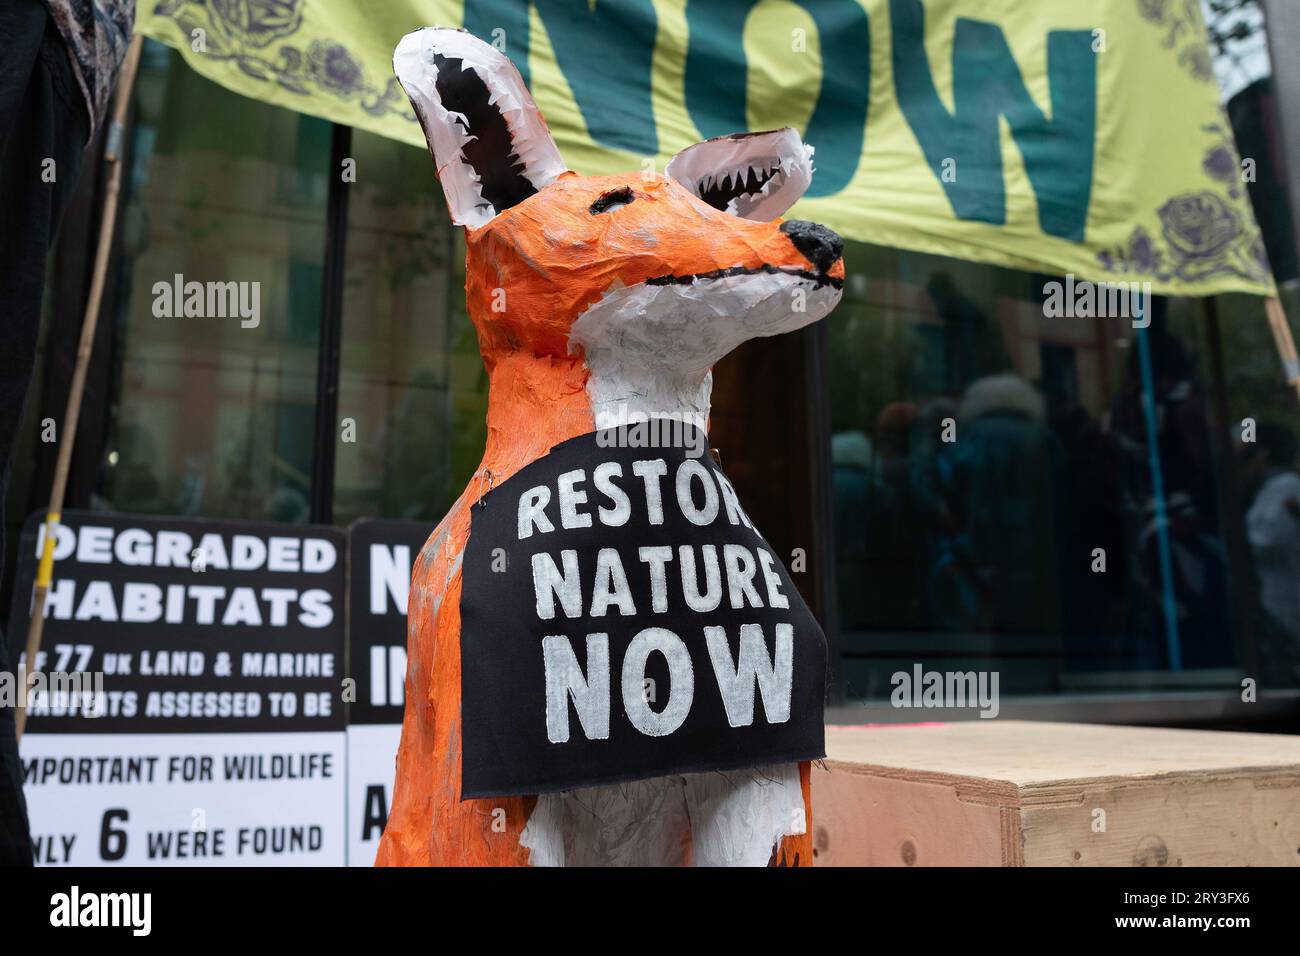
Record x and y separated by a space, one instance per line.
107 224
1284 342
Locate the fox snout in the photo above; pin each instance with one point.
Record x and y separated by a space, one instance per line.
821 246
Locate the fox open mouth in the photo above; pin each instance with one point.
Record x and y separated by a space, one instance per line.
741 186
819 279
751 175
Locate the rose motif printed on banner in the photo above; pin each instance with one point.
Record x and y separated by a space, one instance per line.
258 22
246 33
332 66
1220 161
1196 59
1184 30
1220 164
1204 233
1143 251
1203 236
1199 225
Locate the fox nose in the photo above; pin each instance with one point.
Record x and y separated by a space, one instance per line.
816 243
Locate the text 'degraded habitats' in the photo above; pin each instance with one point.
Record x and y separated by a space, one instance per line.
213 730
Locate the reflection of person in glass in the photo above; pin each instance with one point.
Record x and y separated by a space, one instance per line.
995 569
1273 529
1195 594
972 344
851 460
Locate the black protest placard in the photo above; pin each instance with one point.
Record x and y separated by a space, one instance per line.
213 730
381 554
195 626
621 619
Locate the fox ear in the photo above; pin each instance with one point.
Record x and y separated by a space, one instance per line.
750 175
488 140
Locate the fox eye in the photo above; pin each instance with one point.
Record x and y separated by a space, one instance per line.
614 199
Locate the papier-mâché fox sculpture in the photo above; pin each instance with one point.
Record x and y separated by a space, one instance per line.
592 296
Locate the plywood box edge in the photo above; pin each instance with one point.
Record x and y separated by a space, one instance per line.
986 791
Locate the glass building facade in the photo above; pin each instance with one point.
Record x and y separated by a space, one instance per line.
1095 511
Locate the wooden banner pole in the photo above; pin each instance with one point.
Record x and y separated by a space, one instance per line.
1284 342
107 225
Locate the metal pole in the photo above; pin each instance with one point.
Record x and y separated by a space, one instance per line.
1164 551
331 332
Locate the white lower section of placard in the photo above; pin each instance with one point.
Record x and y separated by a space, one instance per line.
372 756
269 799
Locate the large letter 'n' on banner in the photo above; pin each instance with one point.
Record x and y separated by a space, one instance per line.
587 39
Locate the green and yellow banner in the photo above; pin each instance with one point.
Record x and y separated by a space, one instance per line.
1044 135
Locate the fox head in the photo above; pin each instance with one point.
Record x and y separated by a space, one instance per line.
649 279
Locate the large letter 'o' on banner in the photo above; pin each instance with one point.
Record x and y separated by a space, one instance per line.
717 72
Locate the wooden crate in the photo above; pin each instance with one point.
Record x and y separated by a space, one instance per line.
1022 793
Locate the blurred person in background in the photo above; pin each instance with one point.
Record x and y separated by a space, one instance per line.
1273 529
1174 474
898 531
851 460
58 62
995 569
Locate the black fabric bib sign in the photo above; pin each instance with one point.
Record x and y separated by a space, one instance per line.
621 619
